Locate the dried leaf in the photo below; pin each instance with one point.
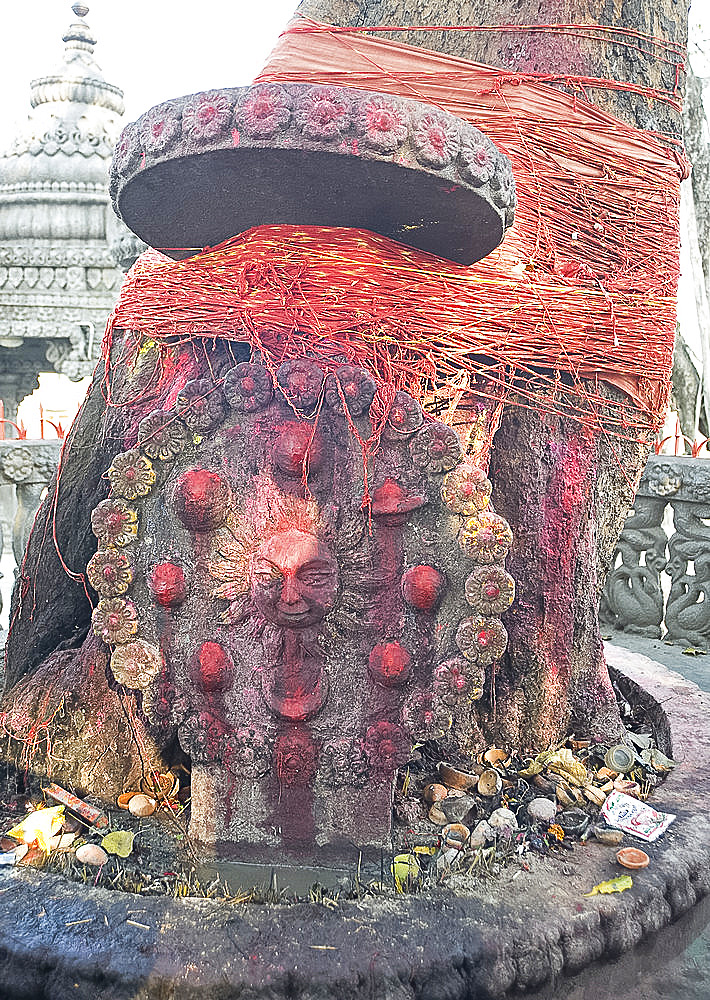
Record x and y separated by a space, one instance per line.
119 842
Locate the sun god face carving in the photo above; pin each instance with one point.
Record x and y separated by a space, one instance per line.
294 579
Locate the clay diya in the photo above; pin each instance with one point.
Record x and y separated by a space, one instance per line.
632 857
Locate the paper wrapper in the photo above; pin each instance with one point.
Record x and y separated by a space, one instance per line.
628 814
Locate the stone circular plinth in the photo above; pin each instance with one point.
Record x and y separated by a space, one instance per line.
513 934
198 170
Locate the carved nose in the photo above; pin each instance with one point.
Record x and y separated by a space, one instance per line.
290 593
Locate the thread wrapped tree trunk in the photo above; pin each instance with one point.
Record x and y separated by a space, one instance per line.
565 491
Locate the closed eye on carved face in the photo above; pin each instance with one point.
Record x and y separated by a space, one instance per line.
316 574
266 573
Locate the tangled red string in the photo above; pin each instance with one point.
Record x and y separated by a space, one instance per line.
582 290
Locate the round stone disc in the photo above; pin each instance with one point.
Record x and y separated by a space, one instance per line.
198 170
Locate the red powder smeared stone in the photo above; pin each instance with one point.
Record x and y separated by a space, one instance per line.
167 582
201 499
389 664
295 443
422 587
212 667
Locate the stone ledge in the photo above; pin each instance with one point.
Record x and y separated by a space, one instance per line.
519 935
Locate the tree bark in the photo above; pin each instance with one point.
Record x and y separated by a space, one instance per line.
564 491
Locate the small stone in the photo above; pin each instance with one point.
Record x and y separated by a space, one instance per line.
456 809
437 816
481 834
91 854
542 810
434 793
605 835
142 805
503 822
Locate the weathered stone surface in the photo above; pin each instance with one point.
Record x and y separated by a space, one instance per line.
194 171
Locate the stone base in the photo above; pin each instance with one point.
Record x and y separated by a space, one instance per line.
516 933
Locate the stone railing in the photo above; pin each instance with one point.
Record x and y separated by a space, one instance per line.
28 466
659 583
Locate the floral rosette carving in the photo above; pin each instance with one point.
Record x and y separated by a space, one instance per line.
110 572
248 387
490 590
136 664
131 475
405 416
381 123
425 716
264 111
324 114
486 537
387 746
664 481
201 405
127 153
161 435
353 385
206 117
477 162
344 763
114 523
436 448
160 127
301 382
295 758
481 640
203 736
502 184
115 621
18 464
249 754
466 490
436 140
455 678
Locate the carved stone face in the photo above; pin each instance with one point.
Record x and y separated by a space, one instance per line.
294 579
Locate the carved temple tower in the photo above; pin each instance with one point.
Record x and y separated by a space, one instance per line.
60 245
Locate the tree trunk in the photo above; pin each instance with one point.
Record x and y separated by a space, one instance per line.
564 491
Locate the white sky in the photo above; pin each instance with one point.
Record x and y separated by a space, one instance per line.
152 49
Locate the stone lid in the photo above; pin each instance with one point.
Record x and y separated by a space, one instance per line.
200 169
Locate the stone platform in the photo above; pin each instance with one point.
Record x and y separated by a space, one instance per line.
515 933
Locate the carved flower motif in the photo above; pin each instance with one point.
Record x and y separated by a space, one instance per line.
17 464
425 717
405 416
131 475
249 754
127 153
114 523
436 448
109 572
344 763
206 116
435 140
478 162
295 758
265 110
486 537
136 664
502 184
203 736
201 405
490 590
481 640
455 678
664 481
466 490
324 114
161 435
115 620
354 385
387 746
382 123
301 382
248 387
160 127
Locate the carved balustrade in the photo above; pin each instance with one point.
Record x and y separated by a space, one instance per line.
660 577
